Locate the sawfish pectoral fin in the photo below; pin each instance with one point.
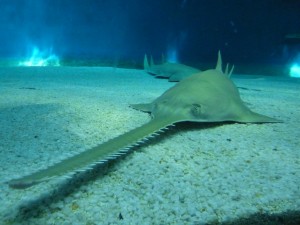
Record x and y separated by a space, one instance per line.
142 107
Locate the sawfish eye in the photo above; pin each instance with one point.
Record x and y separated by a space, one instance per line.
196 109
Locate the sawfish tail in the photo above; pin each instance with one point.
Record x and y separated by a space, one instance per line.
102 153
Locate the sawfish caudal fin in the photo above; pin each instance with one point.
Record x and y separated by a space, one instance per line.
97 155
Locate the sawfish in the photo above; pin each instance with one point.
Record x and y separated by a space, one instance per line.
208 96
173 71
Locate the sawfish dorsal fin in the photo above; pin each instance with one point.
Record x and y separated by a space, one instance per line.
231 71
219 66
227 72
146 63
226 69
219 62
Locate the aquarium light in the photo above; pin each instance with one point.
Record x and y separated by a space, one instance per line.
39 58
172 55
295 70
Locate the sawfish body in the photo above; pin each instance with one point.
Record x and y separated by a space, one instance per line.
208 96
173 71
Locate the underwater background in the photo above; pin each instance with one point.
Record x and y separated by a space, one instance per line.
70 69
265 33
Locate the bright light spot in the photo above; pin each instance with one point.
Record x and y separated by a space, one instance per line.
39 58
172 55
295 71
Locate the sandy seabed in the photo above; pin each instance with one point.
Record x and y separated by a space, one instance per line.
197 174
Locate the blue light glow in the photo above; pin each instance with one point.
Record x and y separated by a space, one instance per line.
172 55
295 70
39 58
